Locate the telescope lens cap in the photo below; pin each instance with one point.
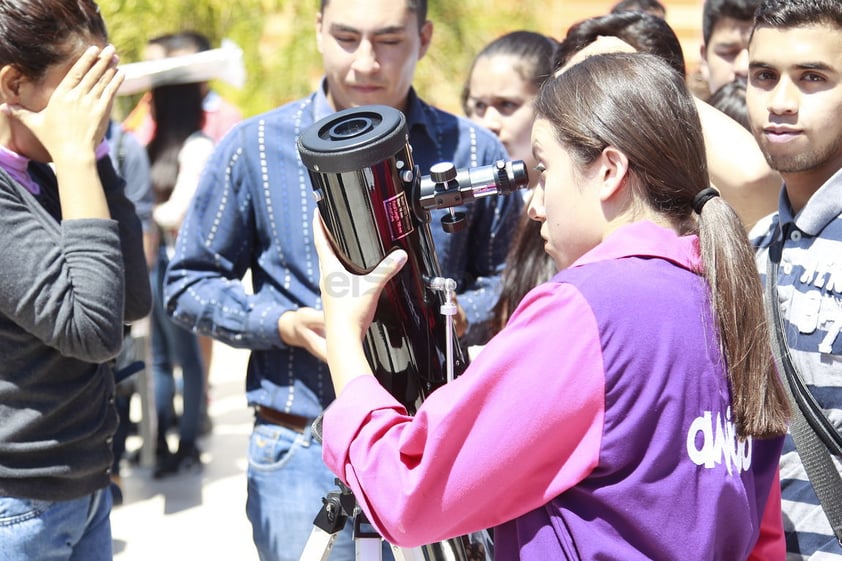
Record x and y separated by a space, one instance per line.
352 139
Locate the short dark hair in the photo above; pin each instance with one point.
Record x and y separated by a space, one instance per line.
643 31
796 13
715 10
730 98
417 6
648 6
35 34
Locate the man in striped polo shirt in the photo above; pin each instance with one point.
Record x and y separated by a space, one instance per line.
794 98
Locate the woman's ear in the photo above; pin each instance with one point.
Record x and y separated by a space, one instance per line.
614 169
10 82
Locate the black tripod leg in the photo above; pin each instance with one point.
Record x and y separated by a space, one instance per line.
328 523
337 508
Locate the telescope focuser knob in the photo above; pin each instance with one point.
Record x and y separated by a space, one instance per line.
443 172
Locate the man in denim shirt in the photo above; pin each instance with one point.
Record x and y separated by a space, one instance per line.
253 212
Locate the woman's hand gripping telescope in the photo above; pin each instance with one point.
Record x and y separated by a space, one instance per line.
349 302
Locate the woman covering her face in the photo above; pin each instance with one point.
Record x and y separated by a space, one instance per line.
73 272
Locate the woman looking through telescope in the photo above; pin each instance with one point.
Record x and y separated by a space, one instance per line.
640 376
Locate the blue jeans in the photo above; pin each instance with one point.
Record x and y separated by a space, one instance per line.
171 345
76 530
287 480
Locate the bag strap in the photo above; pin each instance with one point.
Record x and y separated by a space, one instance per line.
814 435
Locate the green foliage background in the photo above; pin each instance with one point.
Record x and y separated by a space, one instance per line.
278 40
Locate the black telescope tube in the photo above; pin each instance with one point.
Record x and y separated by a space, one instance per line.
359 163
364 182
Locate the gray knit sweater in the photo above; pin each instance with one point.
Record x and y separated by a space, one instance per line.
66 289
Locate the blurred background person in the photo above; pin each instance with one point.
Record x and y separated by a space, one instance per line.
726 26
498 94
220 114
132 164
502 82
178 151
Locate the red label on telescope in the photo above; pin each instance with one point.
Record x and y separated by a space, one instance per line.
398 216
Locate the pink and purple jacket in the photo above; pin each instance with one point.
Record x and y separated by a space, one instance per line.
596 425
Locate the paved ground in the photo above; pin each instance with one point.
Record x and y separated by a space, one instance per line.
194 516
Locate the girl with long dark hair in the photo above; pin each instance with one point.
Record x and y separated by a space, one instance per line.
630 406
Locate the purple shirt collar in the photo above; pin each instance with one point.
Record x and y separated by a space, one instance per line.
17 166
647 239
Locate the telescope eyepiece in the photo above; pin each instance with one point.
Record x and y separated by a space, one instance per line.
447 186
351 128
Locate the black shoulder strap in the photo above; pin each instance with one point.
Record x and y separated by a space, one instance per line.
814 435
